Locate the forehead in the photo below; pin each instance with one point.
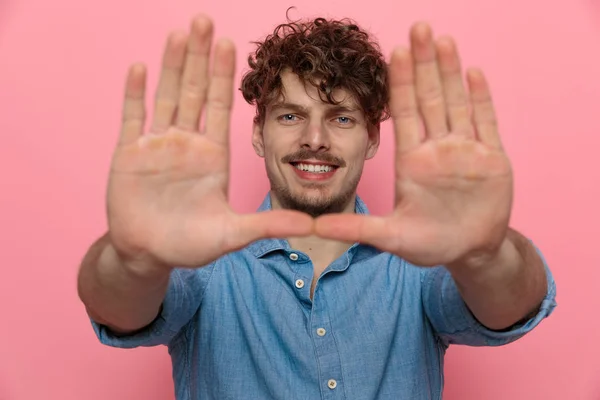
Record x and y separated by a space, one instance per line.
293 90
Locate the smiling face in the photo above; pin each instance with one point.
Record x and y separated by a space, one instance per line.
314 151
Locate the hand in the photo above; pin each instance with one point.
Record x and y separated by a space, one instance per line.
167 192
454 182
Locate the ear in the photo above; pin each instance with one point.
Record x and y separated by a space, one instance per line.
257 139
373 141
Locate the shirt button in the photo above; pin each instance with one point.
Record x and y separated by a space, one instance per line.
321 332
332 384
293 256
299 283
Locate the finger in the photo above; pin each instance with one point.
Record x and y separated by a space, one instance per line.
372 230
456 98
195 75
220 93
167 93
430 93
134 110
271 224
403 101
484 115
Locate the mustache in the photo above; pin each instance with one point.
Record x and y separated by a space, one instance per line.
305 154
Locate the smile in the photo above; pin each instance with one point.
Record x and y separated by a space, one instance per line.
315 168
314 172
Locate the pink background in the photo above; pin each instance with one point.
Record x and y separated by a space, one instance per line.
62 65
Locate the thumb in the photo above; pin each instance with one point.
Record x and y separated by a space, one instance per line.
271 224
368 229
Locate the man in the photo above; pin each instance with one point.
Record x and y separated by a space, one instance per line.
311 297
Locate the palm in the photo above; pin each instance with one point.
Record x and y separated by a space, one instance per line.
449 193
167 192
164 193
454 186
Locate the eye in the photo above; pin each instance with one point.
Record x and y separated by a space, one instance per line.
287 118
345 122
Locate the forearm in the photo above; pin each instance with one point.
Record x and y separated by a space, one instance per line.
114 295
506 289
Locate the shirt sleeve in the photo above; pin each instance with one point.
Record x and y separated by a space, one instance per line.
182 300
454 322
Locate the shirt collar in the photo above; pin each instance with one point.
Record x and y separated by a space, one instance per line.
264 246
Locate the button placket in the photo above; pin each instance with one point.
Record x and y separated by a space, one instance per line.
326 350
300 282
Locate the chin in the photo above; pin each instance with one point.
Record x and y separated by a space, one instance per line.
311 202
313 198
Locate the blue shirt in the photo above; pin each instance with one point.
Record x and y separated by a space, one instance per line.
244 327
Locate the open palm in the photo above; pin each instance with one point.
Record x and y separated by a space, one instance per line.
453 183
167 195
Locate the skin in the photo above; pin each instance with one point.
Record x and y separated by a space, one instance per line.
167 201
300 127
454 186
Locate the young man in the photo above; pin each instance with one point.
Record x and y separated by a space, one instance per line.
311 297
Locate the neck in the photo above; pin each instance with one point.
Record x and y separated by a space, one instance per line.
322 252
318 249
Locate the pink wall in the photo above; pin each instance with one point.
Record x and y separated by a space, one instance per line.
62 64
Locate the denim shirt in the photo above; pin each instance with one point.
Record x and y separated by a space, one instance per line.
245 327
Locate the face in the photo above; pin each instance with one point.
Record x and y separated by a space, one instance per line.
314 152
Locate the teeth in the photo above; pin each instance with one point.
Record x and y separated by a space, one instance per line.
314 168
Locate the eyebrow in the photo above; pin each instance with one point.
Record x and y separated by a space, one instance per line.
298 108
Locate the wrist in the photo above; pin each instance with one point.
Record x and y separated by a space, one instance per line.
485 265
138 268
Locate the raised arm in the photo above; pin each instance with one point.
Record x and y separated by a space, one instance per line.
167 199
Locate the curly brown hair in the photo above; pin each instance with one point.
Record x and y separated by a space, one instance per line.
328 54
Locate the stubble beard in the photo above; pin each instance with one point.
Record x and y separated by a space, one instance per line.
314 206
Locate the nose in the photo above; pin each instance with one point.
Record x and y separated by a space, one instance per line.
315 138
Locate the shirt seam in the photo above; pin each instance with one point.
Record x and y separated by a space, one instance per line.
319 371
184 329
342 373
